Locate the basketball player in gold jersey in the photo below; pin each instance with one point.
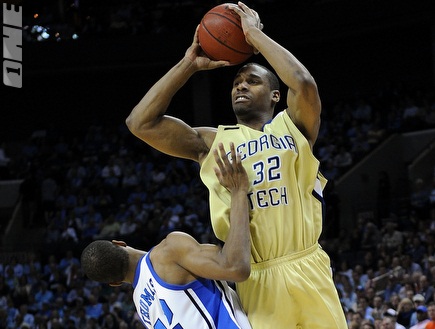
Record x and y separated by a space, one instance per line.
291 284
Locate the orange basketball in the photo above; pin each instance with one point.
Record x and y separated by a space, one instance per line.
221 35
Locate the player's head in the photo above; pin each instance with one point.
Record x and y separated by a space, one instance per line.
268 74
255 92
105 261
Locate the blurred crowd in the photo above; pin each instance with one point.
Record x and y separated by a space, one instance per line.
64 19
101 182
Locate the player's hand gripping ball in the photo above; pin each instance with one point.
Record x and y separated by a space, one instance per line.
221 35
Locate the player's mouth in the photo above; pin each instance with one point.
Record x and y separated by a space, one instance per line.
240 98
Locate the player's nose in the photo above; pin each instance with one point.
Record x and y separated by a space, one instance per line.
243 85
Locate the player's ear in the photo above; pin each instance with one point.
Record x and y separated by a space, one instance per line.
119 243
115 284
275 96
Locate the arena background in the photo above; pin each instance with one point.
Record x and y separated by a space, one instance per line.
86 63
350 47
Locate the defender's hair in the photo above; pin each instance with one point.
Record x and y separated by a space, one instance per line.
105 262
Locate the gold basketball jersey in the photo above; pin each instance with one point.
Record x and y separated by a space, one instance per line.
286 202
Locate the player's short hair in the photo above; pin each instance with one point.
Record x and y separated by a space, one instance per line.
271 77
105 262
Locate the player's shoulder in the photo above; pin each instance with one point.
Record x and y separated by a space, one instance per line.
207 135
174 244
177 240
176 235
205 131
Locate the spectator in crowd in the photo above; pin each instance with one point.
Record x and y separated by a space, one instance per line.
426 289
364 307
416 250
25 316
343 159
422 318
412 115
128 227
43 295
431 314
109 229
94 308
68 260
418 300
389 320
356 320
404 312
409 266
392 239
367 325
112 172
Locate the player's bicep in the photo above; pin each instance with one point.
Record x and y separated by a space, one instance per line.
202 260
304 108
174 137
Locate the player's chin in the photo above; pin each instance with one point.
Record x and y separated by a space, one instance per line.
240 108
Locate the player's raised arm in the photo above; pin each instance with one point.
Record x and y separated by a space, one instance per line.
303 100
232 262
167 134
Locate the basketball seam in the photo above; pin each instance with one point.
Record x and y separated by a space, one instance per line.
224 44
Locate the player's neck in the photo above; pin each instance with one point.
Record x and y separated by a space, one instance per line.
253 124
135 256
253 120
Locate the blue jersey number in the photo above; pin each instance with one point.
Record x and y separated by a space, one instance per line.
169 315
268 169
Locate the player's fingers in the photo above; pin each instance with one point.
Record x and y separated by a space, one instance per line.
233 156
242 6
237 159
238 9
195 36
216 64
257 17
218 173
224 156
218 161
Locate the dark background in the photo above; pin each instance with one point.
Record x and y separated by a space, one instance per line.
350 47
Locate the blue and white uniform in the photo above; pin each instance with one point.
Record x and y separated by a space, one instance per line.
201 304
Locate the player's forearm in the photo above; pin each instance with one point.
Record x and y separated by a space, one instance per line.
237 247
156 101
290 70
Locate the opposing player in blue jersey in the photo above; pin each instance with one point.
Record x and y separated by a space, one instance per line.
170 289
291 284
